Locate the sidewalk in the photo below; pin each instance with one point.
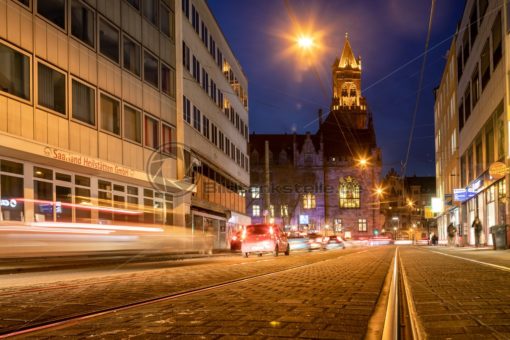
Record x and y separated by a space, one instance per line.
483 254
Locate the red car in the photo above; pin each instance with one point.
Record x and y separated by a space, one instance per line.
264 238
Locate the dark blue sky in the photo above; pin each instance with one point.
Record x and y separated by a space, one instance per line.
286 91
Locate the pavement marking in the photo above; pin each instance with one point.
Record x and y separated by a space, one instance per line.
476 261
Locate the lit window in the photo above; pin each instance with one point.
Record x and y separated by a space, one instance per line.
349 193
110 114
168 139
255 192
256 210
132 124
51 89
284 211
54 11
362 224
271 210
108 40
151 132
150 69
84 103
14 72
309 201
131 56
82 22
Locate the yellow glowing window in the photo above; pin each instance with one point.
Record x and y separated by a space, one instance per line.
349 193
309 201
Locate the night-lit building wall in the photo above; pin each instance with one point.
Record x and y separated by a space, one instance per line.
482 103
215 123
87 95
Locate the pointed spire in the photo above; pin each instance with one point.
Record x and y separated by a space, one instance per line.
348 59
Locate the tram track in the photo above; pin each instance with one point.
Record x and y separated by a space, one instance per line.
81 317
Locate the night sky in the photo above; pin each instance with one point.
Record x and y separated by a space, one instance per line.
286 88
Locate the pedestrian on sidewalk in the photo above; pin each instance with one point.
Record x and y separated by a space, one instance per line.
477 226
451 230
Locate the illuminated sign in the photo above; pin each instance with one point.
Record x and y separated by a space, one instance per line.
462 195
437 204
303 219
8 203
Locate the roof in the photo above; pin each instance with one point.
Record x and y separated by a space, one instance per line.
279 142
348 59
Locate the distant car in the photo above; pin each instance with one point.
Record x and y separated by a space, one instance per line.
315 241
264 238
235 241
297 242
333 241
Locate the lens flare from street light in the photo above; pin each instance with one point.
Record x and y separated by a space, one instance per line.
305 42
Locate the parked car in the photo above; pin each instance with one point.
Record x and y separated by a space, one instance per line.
315 241
264 238
235 241
333 241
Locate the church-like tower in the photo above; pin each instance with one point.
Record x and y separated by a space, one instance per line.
346 76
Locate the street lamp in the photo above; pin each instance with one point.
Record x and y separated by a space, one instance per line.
305 42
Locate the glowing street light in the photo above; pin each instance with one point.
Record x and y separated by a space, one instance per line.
379 191
305 42
363 162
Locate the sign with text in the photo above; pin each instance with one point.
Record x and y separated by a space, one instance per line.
462 195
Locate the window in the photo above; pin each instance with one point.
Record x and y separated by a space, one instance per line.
186 110
54 11
497 51
479 156
205 80
108 40
51 88
255 192
475 86
227 146
271 210
284 210
489 143
196 69
185 56
256 210
195 19
309 201
349 193
82 22
212 47
221 140
168 139
150 69
500 126
11 191
196 118
459 66
219 58
232 151
131 56
483 4
237 121
465 45
205 35
485 63
84 103
110 114
205 129
25 2
185 8
82 198
168 80
14 72
362 224
135 4
150 11
473 24
213 91
166 21
151 132
467 103
214 134
132 124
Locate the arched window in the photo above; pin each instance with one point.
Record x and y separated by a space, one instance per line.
349 193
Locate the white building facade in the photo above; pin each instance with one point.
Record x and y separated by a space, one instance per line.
215 124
